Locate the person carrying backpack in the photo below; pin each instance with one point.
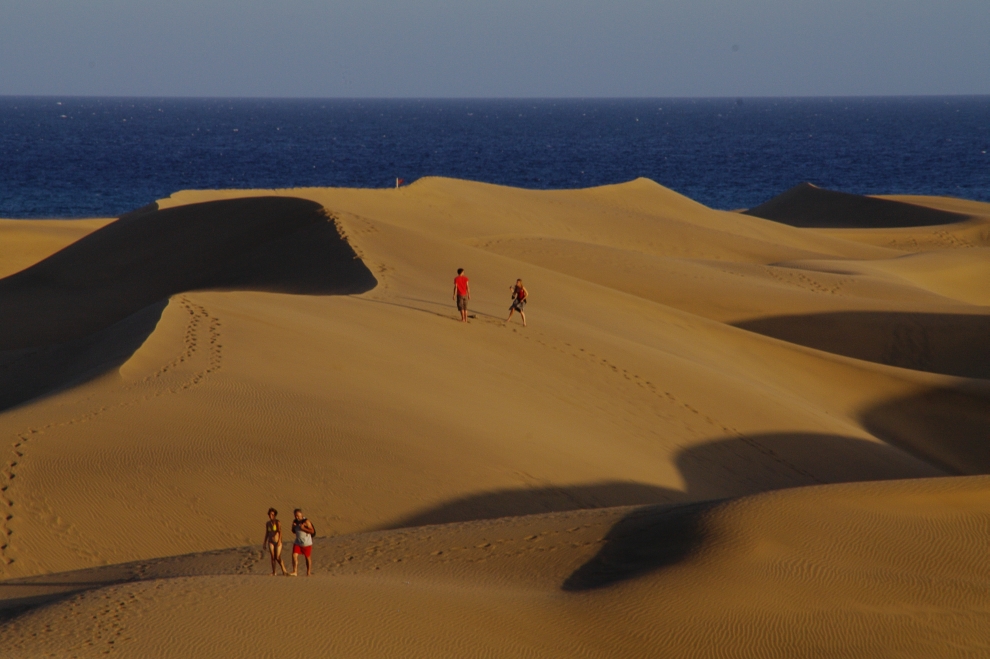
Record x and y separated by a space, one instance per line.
303 543
519 297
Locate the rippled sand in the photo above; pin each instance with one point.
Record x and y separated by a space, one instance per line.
719 435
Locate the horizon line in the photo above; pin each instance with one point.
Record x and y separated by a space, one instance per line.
731 97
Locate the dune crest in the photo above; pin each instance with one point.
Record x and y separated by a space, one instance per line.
719 434
105 283
806 205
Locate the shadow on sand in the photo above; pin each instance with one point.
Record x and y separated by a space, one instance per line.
950 344
643 541
535 501
17 596
667 527
726 467
948 428
670 527
806 205
945 427
86 308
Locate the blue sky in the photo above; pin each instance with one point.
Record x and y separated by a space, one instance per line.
500 48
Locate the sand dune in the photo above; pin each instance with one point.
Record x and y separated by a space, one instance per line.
22 244
938 343
148 255
806 205
66 314
720 435
883 569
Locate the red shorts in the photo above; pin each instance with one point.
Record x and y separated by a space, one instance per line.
305 551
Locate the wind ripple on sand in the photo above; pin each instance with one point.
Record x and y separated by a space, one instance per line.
379 410
868 569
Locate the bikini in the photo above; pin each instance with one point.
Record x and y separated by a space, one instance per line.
274 529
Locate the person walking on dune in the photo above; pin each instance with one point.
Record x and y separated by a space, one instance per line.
303 543
519 296
273 540
462 293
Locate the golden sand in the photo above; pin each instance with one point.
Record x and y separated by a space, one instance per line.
719 435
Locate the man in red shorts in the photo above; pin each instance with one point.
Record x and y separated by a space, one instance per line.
303 544
462 293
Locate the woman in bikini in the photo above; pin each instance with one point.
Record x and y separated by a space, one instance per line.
273 540
519 295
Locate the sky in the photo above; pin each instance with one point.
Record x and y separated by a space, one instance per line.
498 48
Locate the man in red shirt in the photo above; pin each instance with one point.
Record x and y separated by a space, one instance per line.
462 293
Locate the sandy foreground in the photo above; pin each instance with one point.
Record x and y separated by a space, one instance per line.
719 436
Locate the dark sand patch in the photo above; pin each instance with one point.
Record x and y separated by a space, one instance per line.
809 206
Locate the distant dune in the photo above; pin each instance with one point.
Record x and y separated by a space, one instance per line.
806 205
757 434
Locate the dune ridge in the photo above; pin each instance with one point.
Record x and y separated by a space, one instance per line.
97 299
773 575
720 435
807 205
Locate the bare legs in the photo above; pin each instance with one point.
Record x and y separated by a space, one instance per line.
521 315
275 552
295 565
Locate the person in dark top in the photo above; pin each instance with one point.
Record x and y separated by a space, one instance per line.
519 297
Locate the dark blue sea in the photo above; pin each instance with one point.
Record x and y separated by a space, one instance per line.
78 157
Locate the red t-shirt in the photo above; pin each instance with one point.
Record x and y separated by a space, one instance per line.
460 282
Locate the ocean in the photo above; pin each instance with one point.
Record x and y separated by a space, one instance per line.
85 157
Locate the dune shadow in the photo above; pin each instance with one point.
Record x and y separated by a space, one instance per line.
643 541
20 595
514 502
667 525
656 537
94 302
809 206
725 467
946 427
750 464
950 344
29 373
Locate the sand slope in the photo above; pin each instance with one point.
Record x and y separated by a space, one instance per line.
893 569
806 205
674 354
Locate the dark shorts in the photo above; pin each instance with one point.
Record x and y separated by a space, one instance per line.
518 305
305 551
462 303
